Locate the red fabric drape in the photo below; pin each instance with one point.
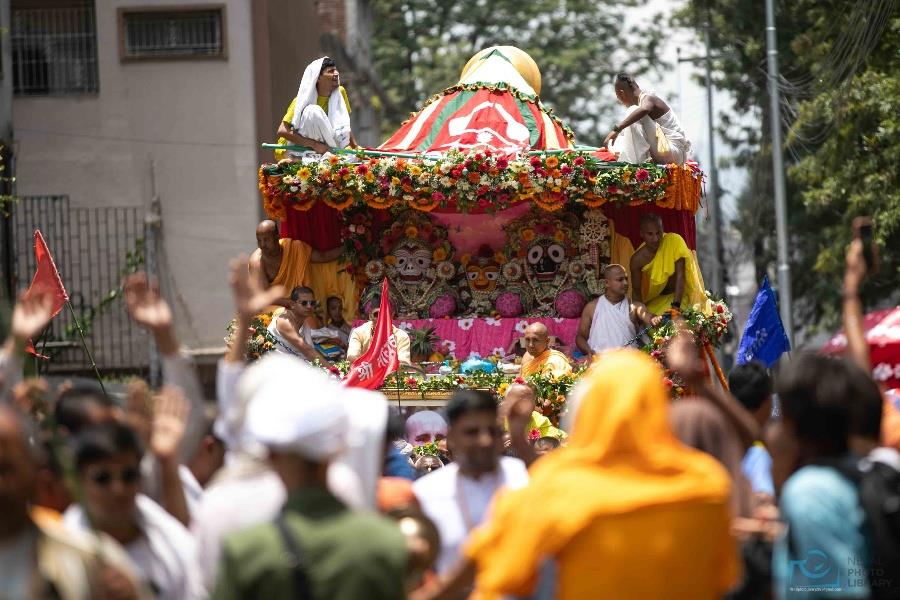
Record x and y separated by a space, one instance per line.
320 226
627 222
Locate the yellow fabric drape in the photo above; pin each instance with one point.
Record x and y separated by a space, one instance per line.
657 272
544 426
623 474
550 362
330 279
294 264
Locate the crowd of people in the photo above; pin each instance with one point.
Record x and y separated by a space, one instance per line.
288 484
292 485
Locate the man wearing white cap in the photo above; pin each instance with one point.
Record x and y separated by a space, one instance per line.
319 117
333 552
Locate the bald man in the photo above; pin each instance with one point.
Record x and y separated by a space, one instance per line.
611 321
283 261
539 357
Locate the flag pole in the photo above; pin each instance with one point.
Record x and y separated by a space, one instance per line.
87 350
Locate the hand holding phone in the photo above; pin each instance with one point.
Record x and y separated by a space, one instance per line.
862 230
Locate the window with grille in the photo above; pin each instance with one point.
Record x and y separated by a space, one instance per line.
172 33
54 51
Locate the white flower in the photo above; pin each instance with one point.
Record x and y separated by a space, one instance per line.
465 324
474 356
558 319
492 321
405 326
521 326
499 351
449 347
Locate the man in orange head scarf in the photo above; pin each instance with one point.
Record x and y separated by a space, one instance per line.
625 511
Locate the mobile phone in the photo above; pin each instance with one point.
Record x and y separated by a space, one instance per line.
862 229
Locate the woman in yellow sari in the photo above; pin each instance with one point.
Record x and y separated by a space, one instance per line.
625 511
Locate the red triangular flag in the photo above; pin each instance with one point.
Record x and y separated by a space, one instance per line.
380 360
46 279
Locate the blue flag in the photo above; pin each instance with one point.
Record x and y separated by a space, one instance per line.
764 338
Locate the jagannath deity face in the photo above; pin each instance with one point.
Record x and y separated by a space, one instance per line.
412 262
544 258
483 278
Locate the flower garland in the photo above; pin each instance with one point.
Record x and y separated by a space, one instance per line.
708 324
260 340
464 182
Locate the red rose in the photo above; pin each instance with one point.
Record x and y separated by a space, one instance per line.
535 161
502 163
565 170
357 244
719 309
612 190
362 169
519 380
479 156
579 160
437 197
642 175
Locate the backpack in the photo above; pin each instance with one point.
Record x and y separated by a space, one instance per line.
879 494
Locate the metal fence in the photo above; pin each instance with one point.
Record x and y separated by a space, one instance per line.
54 51
92 248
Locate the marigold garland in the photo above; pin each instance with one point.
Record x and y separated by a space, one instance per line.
474 181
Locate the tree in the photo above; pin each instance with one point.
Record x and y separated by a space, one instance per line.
839 65
420 47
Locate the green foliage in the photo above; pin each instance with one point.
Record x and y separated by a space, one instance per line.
840 110
420 47
423 341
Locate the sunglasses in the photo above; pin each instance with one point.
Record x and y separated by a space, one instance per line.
126 476
307 302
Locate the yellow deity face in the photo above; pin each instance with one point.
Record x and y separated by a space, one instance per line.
482 279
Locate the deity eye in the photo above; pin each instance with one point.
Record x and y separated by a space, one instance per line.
556 253
401 261
535 254
491 275
472 275
422 262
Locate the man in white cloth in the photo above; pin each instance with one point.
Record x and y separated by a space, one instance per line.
361 337
611 320
456 497
651 129
319 117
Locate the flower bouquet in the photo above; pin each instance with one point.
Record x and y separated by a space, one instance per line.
260 340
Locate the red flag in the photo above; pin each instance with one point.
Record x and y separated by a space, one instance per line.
380 360
46 279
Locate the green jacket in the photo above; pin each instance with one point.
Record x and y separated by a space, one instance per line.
349 555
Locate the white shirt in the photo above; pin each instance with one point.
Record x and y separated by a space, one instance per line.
193 491
17 565
229 505
456 503
166 554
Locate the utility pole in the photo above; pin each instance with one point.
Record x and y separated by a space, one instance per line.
717 268
784 267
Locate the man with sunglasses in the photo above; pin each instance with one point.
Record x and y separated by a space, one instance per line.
107 463
290 330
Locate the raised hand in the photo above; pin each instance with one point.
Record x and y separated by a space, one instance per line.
250 297
170 414
681 354
145 305
30 316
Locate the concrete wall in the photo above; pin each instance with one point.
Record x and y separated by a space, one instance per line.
197 122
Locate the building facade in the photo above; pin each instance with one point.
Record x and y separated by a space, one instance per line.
163 105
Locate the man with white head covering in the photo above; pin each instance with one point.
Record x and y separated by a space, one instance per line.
333 551
247 491
319 117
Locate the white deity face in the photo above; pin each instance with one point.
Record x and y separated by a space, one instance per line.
412 262
424 427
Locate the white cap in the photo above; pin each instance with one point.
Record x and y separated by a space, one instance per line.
297 408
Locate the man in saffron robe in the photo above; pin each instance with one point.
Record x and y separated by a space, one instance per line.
284 261
539 357
664 271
